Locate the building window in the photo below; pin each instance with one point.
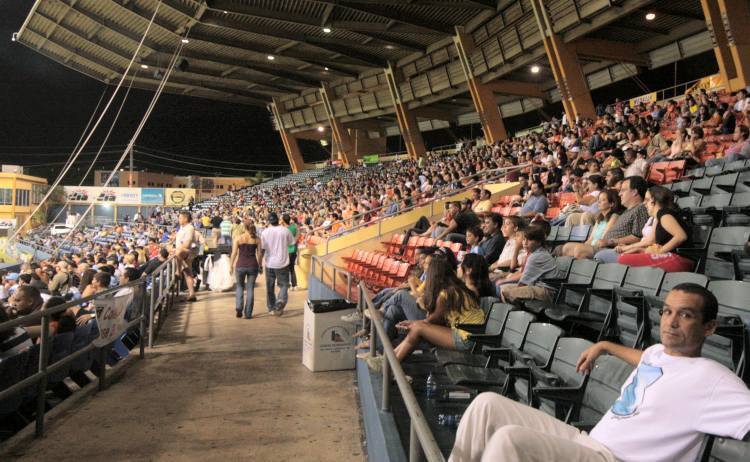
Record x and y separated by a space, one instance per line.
37 193
22 197
6 197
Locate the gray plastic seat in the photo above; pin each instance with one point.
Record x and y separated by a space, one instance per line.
701 186
724 183
538 347
602 390
724 239
579 233
581 276
709 212
491 335
12 371
682 188
627 318
687 202
738 212
729 450
743 182
598 300
562 373
485 303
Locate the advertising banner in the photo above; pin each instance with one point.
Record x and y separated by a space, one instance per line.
178 197
7 223
371 159
110 316
152 196
647 99
96 194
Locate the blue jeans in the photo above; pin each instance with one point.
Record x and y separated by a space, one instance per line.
400 307
274 276
245 289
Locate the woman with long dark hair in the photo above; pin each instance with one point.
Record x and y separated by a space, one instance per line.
610 208
448 303
244 263
473 271
670 231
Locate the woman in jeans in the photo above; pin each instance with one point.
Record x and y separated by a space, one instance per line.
244 263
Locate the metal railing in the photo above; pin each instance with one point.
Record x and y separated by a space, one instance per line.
153 295
421 439
336 274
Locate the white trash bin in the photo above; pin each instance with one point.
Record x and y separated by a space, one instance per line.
327 342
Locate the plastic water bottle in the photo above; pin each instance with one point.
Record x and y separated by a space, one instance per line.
430 389
449 420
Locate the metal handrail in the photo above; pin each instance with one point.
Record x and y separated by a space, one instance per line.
500 173
420 435
168 285
316 260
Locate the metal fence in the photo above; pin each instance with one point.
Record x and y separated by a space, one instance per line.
421 439
153 296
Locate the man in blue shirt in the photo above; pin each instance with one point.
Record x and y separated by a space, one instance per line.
536 203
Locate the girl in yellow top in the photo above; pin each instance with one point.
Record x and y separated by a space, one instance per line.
448 302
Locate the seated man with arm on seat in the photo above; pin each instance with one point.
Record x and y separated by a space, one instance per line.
461 221
670 401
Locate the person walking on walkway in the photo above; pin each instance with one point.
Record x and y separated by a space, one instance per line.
185 251
275 242
291 225
244 264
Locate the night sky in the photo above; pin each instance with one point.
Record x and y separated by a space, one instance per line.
44 107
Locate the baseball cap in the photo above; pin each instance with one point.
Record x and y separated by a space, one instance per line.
12 276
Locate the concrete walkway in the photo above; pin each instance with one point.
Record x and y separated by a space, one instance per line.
216 388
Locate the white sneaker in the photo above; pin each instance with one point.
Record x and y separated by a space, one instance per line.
353 317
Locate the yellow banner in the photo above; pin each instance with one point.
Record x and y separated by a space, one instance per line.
178 197
649 98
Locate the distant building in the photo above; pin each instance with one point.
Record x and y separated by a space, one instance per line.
19 195
207 186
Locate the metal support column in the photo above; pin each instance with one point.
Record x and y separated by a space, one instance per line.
407 121
291 147
340 135
481 94
576 96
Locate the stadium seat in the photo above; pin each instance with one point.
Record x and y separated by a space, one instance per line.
681 188
568 292
596 304
11 372
728 450
603 387
738 211
724 239
538 348
626 321
490 334
562 373
579 233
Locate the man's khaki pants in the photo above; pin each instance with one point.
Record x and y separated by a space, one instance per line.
513 292
497 429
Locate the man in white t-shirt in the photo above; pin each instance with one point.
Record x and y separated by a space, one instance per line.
184 252
671 399
275 242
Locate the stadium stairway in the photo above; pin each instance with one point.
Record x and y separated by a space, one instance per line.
216 388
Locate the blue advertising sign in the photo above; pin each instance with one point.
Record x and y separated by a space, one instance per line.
153 196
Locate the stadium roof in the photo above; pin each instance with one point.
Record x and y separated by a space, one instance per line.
251 51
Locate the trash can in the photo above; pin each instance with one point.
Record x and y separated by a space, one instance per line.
304 262
327 342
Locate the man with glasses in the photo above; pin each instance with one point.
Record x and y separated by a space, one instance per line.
628 228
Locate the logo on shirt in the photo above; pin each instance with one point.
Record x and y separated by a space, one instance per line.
634 393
